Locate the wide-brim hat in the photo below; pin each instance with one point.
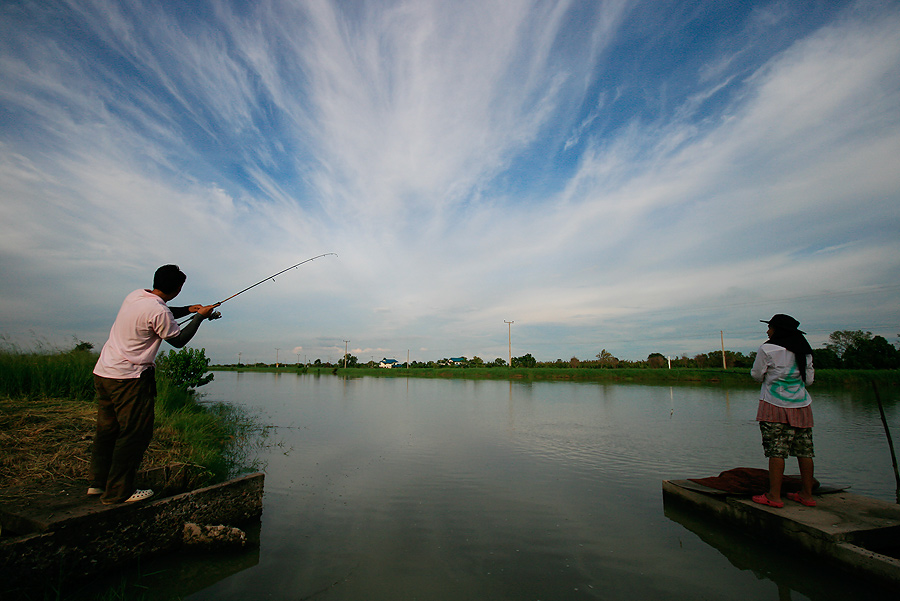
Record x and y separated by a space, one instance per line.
783 322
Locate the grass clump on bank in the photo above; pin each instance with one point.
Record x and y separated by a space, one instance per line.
213 436
48 418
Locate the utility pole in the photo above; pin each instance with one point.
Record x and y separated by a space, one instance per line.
346 342
722 336
509 323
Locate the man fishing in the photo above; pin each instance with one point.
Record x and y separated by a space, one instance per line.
125 382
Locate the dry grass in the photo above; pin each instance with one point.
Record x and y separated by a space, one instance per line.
48 440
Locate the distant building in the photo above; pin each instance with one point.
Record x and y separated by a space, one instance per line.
388 363
453 361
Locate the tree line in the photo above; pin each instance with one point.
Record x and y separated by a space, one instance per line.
846 349
855 349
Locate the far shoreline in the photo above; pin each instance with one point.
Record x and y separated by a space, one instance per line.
740 377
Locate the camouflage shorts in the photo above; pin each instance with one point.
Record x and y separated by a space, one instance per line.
781 440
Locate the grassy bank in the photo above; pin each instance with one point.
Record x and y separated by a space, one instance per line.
731 377
47 420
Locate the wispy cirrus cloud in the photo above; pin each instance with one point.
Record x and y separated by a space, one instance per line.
607 171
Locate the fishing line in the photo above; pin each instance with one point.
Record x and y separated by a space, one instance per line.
266 279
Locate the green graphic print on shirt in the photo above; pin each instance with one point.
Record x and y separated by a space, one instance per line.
789 388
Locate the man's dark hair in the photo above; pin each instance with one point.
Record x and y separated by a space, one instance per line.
168 279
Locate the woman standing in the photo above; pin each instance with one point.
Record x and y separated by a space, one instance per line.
784 366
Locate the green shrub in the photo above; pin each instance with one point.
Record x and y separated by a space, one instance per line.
185 368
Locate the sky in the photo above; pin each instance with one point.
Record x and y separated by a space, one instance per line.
634 176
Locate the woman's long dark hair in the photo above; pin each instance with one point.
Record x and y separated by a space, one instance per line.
794 341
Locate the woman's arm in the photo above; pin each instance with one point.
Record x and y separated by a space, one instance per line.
760 365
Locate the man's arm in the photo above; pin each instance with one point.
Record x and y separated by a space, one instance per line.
179 312
188 331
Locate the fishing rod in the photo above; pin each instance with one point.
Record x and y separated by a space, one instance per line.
272 277
890 441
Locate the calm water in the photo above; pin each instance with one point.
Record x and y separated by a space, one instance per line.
453 489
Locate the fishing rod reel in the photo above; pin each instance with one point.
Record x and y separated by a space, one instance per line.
213 315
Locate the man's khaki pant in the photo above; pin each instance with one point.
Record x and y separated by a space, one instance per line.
124 430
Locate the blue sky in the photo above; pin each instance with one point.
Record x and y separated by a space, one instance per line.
622 175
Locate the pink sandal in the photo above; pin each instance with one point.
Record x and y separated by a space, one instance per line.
795 496
764 500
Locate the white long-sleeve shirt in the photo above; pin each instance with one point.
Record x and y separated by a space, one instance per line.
776 367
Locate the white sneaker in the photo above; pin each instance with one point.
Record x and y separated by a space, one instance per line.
139 495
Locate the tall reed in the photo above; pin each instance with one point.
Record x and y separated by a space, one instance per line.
47 375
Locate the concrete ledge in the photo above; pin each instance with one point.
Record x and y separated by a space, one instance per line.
868 562
856 533
84 537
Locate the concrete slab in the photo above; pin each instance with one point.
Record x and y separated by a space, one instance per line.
858 533
37 512
839 517
38 509
77 536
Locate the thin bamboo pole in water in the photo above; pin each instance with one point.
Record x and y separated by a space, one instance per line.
887 433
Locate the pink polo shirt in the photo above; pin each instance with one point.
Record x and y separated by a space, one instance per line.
143 322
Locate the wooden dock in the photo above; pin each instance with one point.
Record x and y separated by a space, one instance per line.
856 533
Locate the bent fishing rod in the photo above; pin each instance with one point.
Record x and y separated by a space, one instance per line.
272 277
